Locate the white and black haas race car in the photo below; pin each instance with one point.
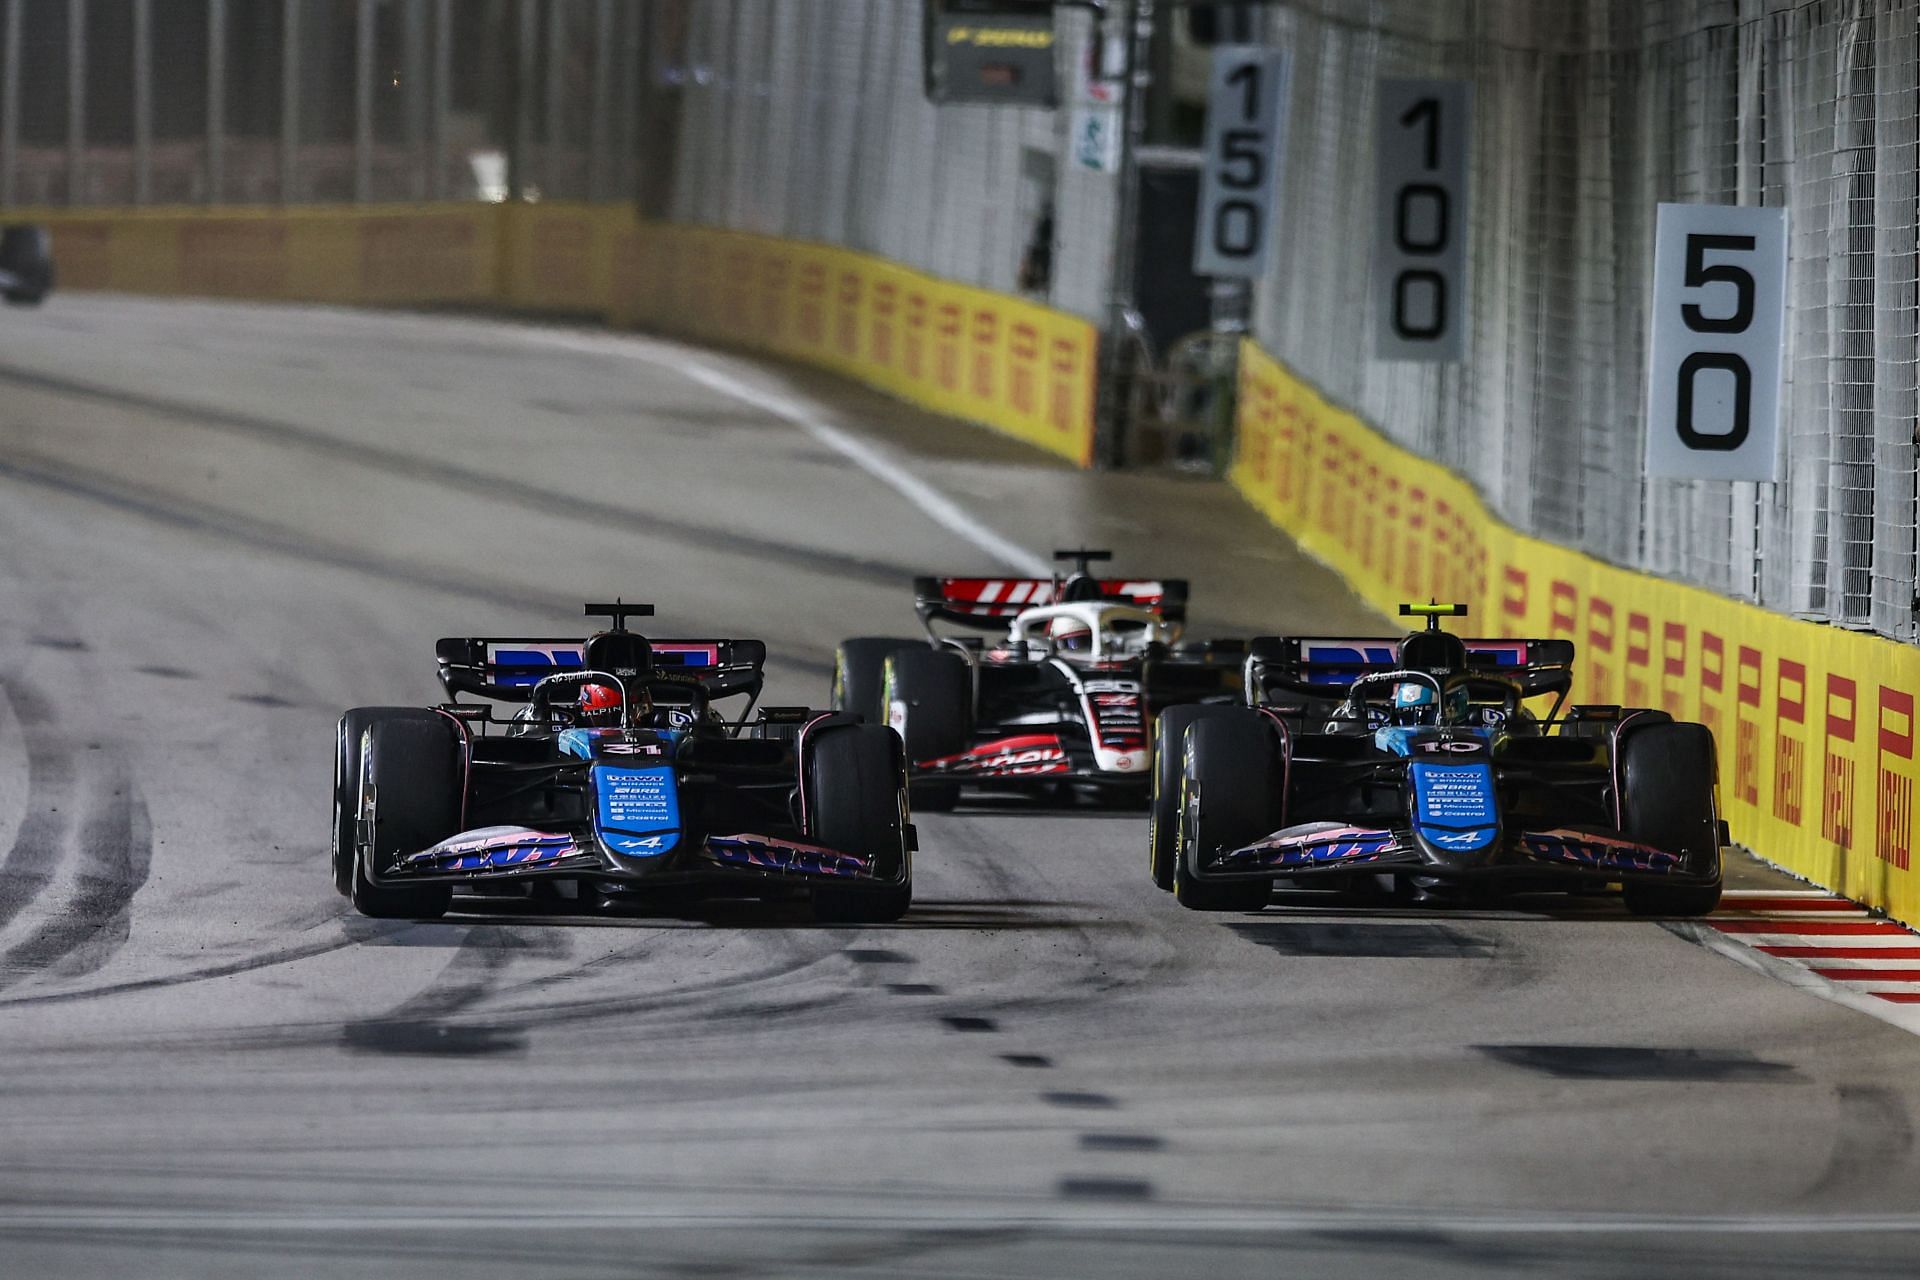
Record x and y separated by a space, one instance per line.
1058 704
1417 766
617 781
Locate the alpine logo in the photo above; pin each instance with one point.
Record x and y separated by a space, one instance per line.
1459 839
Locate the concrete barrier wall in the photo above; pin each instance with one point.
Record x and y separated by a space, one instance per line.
1815 724
970 353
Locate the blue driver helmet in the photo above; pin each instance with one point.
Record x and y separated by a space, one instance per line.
1414 701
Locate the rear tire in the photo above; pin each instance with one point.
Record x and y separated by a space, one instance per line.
1667 773
346 781
928 700
415 769
1233 764
858 780
1163 804
857 673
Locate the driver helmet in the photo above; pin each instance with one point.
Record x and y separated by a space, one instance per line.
1070 635
600 704
1414 702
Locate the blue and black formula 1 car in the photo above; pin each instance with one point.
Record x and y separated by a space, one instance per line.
1418 765
26 264
617 780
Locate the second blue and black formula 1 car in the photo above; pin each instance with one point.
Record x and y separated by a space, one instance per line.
1058 704
615 779
1421 762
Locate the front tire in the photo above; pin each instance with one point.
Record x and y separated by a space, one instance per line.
928 695
413 772
1668 774
858 783
346 781
1231 766
857 674
1163 803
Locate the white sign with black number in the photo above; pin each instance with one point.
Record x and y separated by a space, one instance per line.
1420 220
1713 359
1246 127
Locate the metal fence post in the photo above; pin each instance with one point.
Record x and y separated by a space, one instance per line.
441 104
10 104
598 125
76 98
551 132
1122 322
142 101
415 94
216 100
363 102
289 100
520 163
633 71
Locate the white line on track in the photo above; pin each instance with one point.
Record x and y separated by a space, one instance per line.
1186 1218
937 507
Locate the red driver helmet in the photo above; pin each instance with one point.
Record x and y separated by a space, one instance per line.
600 704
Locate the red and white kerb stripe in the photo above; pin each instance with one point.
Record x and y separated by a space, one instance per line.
1860 954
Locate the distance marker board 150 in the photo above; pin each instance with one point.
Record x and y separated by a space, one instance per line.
1246 128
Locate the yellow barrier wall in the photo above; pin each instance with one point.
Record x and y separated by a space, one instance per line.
1815 725
970 353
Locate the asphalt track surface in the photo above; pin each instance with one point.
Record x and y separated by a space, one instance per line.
223 524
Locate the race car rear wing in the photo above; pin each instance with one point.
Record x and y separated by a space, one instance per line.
1324 666
507 668
988 603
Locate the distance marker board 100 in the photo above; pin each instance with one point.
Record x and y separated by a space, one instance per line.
1713 357
1420 220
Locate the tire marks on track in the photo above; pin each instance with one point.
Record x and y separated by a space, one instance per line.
498 489
28 867
94 815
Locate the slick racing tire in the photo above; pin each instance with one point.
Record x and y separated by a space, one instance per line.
346 780
414 768
1232 765
1667 774
928 696
1163 804
857 672
858 784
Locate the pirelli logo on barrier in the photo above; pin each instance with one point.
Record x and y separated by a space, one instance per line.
1713 683
1789 742
1893 808
1837 770
1746 772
